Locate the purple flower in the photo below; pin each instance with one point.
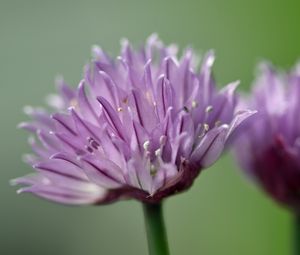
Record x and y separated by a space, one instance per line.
142 126
269 147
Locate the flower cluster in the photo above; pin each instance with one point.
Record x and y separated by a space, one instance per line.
140 126
269 147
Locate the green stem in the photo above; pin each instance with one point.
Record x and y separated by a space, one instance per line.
297 235
155 229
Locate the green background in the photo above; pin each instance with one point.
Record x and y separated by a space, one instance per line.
223 213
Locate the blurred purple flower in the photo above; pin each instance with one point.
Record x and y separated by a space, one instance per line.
142 126
269 146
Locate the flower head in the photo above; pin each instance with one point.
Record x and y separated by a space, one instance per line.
269 147
141 126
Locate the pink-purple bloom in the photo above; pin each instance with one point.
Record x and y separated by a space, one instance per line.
140 126
269 146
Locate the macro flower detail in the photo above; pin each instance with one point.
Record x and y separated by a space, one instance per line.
140 126
269 147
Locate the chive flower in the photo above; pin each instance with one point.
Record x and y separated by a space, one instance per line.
268 148
141 126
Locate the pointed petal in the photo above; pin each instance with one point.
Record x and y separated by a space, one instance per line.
85 105
239 118
210 147
64 123
113 117
103 172
61 168
88 194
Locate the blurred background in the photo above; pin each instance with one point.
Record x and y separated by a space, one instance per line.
223 213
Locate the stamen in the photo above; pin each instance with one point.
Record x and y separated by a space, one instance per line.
208 109
146 145
218 123
93 143
153 170
158 152
162 140
194 104
206 127
204 130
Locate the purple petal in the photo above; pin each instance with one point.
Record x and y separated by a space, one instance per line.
103 172
210 147
113 118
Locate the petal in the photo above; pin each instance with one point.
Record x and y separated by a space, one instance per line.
64 123
40 116
164 96
165 173
85 105
85 128
31 127
79 194
144 110
113 117
103 172
223 105
49 140
67 93
239 118
38 149
90 194
205 78
61 168
210 147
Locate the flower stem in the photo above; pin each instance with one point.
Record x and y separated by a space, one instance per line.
155 229
297 235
